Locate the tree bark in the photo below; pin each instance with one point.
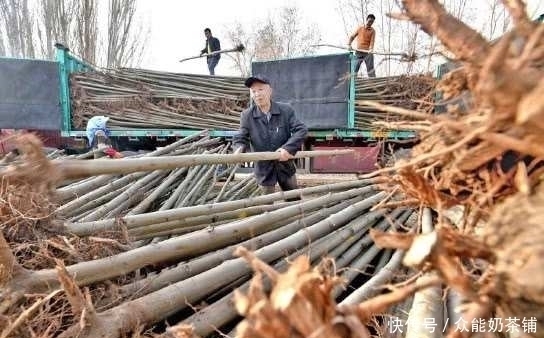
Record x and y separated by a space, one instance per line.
163 303
77 169
130 222
466 43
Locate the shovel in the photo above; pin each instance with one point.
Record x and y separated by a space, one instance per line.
239 48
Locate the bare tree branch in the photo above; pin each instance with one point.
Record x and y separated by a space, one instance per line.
87 31
518 12
55 22
125 47
16 19
465 42
280 36
31 28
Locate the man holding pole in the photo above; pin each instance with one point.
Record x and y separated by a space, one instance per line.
365 43
270 126
212 45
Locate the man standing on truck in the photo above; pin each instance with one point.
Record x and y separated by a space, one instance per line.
365 44
212 45
270 126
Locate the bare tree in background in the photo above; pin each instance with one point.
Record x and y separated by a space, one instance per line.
295 38
125 46
386 33
2 46
55 24
16 20
353 12
86 30
499 20
30 32
268 44
280 35
236 35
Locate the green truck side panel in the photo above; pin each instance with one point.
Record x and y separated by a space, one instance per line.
319 134
67 64
351 101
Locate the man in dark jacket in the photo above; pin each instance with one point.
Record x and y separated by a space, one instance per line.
270 126
212 45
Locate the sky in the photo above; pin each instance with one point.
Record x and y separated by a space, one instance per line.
176 27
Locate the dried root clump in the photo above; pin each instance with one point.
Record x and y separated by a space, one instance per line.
488 147
26 202
43 253
484 154
300 303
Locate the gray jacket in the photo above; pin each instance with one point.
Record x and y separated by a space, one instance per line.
283 130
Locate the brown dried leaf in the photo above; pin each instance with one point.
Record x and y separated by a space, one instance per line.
415 185
521 179
530 109
182 331
392 240
477 156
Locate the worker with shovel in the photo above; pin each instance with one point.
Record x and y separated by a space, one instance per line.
212 45
270 126
365 44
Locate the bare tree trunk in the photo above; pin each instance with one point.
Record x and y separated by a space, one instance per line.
87 29
427 303
18 28
469 44
77 169
26 19
124 46
2 46
55 25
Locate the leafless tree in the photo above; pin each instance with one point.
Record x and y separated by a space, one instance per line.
125 46
280 35
353 12
295 38
17 25
498 20
31 32
2 46
268 43
55 24
239 35
87 30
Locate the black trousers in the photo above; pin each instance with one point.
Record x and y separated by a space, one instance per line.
285 185
368 59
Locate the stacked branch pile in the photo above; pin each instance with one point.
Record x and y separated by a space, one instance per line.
146 99
120 254
408 92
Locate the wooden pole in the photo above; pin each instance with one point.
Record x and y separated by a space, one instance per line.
77 169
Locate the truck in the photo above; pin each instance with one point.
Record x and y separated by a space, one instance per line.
35 95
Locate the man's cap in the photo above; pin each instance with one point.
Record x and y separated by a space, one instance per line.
257 78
